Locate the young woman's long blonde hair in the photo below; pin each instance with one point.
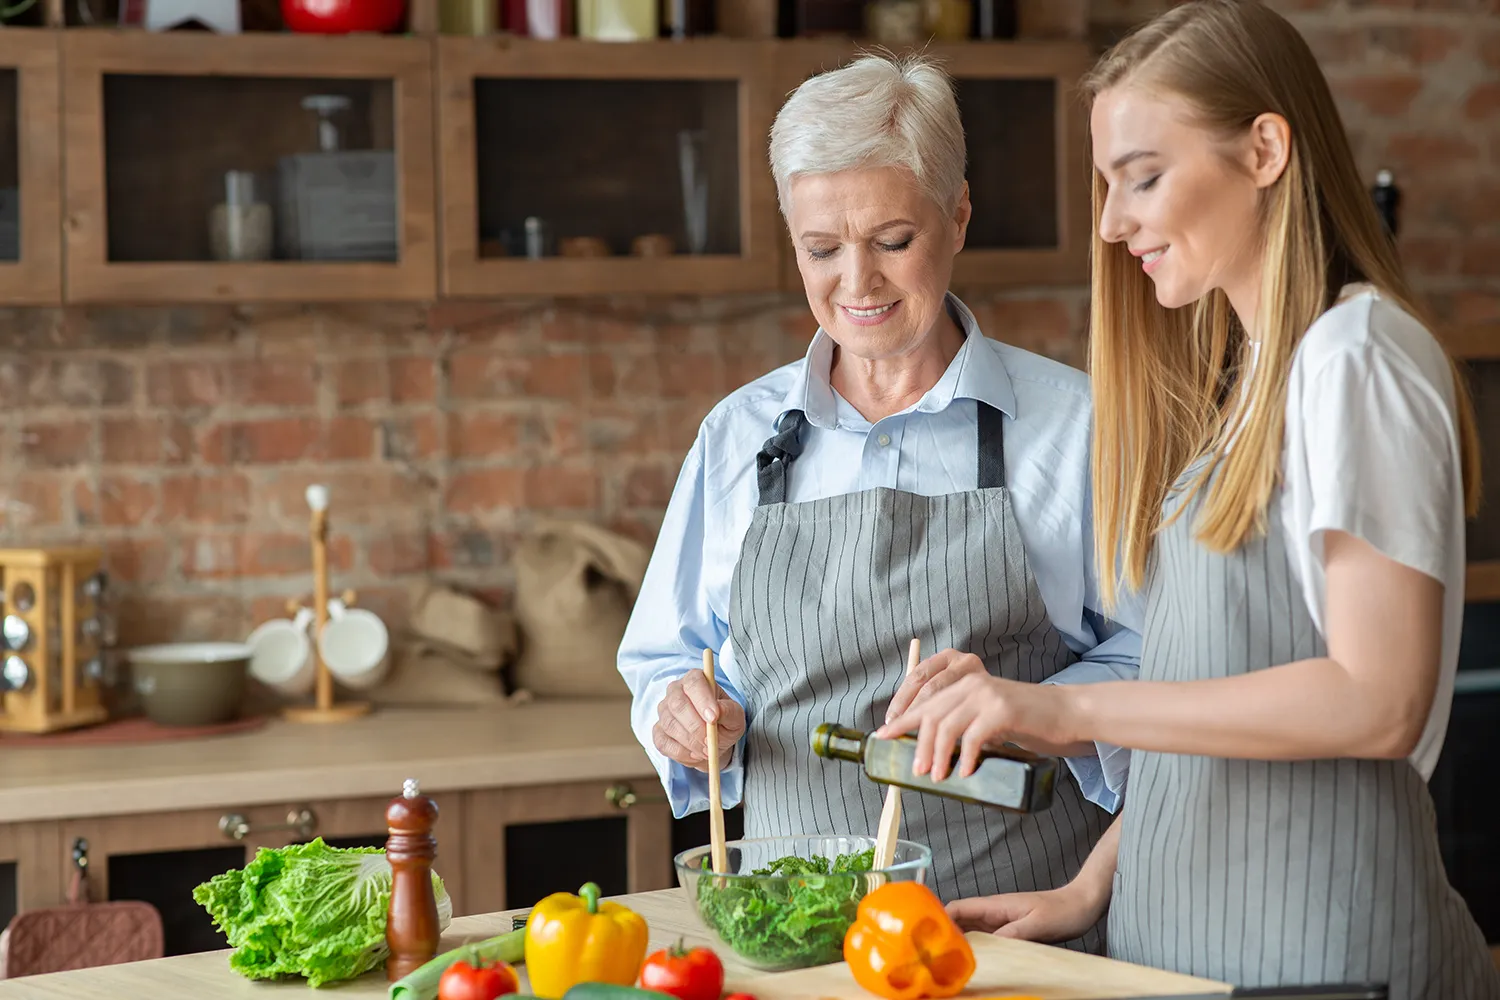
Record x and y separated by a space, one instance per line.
1166 382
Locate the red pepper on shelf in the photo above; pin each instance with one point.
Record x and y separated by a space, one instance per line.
339 17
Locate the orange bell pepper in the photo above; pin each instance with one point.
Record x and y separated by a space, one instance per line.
904 946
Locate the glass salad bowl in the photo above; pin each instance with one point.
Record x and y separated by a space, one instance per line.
786 902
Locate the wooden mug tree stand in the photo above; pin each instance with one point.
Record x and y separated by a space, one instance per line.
324 709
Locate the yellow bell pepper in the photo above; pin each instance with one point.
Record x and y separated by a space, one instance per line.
577 939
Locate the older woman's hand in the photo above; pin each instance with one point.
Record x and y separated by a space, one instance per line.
682 718
931 676
976 710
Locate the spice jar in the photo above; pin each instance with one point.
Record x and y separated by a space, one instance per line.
618 20
468 17
948 20
239 228
894 22
547 19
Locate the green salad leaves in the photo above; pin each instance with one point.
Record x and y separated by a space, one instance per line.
796 923
307 910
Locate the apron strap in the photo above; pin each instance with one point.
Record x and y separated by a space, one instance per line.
991 446
776 456
771 464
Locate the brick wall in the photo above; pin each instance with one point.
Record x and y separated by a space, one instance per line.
182 439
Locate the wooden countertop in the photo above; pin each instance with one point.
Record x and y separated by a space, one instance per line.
1047 972
446 749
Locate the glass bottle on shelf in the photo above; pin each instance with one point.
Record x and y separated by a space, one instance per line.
993 19
240 227
692 153
686 18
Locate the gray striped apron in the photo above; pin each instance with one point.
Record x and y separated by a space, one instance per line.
1276 873
825 599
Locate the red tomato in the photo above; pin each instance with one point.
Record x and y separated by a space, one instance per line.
463 981
687 974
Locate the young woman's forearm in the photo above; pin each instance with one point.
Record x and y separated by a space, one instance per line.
1298 711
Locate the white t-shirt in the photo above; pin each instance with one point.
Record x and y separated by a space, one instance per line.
1371 448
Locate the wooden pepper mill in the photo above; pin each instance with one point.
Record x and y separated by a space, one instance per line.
411 928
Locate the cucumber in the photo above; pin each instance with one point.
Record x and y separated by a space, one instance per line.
609 991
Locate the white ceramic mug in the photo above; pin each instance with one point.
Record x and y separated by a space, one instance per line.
354 644
281 654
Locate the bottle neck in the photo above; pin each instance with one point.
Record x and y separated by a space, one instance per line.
839 743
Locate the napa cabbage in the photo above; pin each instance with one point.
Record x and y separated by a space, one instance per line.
307 910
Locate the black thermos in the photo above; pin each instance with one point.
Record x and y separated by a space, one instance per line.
1387 198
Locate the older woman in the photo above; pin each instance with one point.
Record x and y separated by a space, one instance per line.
907 478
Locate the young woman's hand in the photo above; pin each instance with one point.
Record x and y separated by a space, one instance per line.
1049 917
978 709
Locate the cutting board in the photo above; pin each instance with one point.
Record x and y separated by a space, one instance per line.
1004 967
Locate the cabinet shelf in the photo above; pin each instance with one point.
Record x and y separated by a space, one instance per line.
587 138
123 140
146 157
1028 157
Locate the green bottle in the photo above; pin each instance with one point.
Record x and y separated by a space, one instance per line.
1011 778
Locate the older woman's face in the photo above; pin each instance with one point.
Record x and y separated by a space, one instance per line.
876 256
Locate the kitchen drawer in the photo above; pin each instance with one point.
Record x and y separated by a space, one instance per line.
520 843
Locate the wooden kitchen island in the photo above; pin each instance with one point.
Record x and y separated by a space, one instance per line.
201 806
1037 970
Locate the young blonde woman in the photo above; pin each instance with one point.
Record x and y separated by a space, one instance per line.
1284 458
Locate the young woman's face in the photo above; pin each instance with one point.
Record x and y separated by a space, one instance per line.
1180 198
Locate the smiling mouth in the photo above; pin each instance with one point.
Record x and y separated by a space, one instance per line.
871 312
1152 256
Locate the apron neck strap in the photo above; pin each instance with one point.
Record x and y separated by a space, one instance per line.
991 446
776 456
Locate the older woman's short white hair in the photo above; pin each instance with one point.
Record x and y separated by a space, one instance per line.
879 111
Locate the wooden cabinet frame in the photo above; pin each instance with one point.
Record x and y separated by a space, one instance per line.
1063 62
35 850
88 55
465 273
648 834
194 829
35 279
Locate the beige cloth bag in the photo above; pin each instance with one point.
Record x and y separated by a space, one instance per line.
575 586
454 652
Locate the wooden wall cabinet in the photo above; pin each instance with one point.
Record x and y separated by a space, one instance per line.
152 122
586 138
1028 159
30 167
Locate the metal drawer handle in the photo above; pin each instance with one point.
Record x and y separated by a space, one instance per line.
236 827
622 796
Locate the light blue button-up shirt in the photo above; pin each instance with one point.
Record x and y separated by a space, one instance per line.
930 448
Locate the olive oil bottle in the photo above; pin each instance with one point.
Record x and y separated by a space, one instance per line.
1010 778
